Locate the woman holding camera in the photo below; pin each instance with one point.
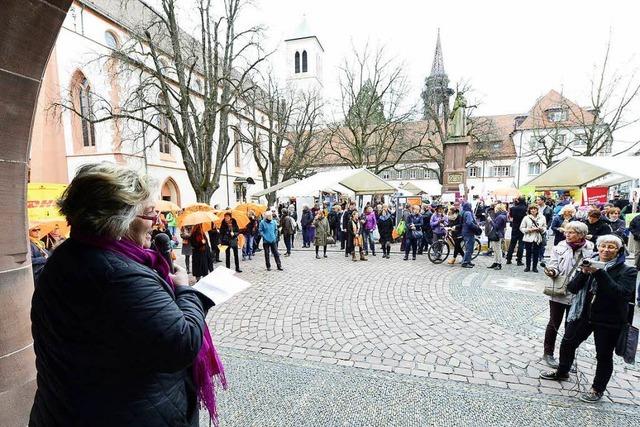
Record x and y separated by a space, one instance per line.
532 227
565 257
603 290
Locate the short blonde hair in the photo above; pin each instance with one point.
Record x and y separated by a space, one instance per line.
103 199
499 208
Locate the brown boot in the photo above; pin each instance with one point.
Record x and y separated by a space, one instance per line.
353 256
362 257
451 261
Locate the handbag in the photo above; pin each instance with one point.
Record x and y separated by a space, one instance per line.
331 240
416 234
554 290
627 344
375 234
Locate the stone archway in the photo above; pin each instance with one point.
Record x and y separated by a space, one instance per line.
28 30
170 191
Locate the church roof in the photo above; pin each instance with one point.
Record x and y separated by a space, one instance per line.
437 69
303 31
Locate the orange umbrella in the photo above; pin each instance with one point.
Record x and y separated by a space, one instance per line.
198 207
166 206
246 207
48 225
241 218
197 217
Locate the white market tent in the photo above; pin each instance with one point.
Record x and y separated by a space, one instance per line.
576 172
273 188
422 187
353 182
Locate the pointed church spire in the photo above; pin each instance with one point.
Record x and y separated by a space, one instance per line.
436 92
437 69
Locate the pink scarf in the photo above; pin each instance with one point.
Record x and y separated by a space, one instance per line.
207 364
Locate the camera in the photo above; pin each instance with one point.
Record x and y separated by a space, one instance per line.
599 265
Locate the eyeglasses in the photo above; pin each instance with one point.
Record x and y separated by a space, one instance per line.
36 229
150 217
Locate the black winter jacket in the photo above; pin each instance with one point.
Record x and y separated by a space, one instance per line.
616 289
113 343
599 228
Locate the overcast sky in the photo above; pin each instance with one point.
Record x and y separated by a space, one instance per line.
511 52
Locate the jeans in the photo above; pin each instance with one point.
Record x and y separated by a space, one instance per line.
271 246
368 242
288 241
557 311
605 339
469 243
533 254
516 238
410 245
496 247
543 247
247 251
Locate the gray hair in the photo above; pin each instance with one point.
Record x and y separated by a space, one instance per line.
610 238
566 208
577 226
103 199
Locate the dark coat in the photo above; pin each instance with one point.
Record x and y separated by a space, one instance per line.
615 290
468 220
200 254
416 220
517 213
634 227
307 219
500 223
385 228
113 343
599 228
225 232
556 223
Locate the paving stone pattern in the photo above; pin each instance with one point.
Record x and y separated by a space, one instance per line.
475 326
276 391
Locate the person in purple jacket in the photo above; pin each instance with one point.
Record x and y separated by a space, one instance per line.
438 223
370 224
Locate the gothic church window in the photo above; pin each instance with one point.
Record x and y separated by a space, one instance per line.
297 62
86 113
304 61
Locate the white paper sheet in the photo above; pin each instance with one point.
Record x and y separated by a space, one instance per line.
220 285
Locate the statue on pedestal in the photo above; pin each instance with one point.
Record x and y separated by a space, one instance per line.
458 117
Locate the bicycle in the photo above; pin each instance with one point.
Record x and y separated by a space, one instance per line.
440 249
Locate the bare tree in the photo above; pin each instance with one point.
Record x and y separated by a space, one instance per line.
182 87
287 145
611 99
372 132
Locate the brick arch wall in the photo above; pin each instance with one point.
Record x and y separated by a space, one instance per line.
28 29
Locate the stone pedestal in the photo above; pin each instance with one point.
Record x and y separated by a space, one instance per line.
455 157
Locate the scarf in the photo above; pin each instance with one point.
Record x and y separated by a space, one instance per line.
576 245
207 363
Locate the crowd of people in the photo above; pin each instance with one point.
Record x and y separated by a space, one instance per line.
120 239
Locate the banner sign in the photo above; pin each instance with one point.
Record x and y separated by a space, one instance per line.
595 195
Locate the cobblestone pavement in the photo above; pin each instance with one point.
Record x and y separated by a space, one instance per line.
275 391
466 327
